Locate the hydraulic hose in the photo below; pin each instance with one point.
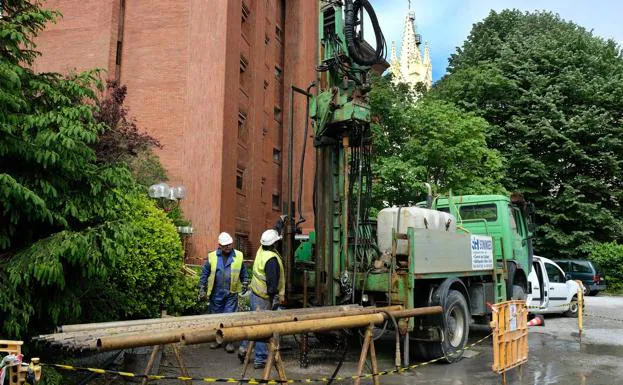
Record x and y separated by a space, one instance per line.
351 9
302 166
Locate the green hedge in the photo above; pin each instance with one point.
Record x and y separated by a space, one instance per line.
609 256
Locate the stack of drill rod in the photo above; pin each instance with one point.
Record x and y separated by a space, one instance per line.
220 327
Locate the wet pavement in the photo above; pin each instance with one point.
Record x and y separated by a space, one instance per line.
556 356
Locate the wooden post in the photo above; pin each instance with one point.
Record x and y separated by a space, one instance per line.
150 363
375 366
247 358
180 361
274 359
368 346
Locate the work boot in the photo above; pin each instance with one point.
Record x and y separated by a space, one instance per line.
259 365
229 348
242 353
214 345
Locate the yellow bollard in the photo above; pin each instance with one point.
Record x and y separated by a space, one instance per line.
580 307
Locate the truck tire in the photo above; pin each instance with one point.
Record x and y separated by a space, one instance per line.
456 317
573 308
518 293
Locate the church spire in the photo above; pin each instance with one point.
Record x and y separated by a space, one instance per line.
413 65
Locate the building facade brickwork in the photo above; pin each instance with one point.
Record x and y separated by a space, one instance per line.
210 79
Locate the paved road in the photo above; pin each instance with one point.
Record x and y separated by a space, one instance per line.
556 356
603 323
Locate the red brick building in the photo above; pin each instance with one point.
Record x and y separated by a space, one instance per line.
211 80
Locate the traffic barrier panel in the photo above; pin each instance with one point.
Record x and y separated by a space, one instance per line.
510 335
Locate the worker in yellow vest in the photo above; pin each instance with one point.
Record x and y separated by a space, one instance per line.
223 277
268 285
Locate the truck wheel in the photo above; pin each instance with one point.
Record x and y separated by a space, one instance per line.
518 293
573 308
455 331
593 293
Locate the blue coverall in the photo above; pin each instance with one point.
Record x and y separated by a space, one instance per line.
221 300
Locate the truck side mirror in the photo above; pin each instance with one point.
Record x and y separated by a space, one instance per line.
567 276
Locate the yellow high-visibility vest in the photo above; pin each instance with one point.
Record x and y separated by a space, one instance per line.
258 282
235 286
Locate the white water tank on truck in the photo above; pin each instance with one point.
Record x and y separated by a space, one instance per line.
401 218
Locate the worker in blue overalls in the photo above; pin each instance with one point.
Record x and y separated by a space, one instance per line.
224 276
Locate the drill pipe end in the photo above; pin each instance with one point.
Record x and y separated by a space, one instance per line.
198 337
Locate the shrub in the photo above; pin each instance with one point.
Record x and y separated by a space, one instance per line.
609 257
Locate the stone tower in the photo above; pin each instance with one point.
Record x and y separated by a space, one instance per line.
411 68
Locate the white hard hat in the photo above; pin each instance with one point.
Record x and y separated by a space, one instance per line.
225 239
269 237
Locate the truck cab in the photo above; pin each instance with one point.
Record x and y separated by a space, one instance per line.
507 221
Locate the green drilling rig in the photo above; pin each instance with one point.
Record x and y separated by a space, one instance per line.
458 252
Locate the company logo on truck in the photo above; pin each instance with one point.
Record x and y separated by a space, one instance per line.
482 252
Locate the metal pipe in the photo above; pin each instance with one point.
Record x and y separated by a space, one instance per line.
304 317
429 196
162 336
257 332
153 321
140 339
89 338
197 336
290 223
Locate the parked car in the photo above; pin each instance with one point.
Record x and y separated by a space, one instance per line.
585 271
550 291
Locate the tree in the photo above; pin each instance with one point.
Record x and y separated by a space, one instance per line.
122 141
69 222
430 141
553 95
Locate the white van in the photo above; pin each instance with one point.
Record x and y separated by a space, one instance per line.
551 291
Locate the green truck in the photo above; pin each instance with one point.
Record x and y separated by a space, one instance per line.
460 252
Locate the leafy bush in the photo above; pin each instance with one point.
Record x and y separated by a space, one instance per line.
147 276
609 257
129 267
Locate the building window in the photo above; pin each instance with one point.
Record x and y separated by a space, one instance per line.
278 33
262 185
240 179
278 73
242 126
277 113
277 155
119 49
241 242
119 40
276 201
244 74
245 25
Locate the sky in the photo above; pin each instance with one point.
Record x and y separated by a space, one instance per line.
445 24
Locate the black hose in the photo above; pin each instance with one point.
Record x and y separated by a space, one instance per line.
339 364
351 9
302 167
